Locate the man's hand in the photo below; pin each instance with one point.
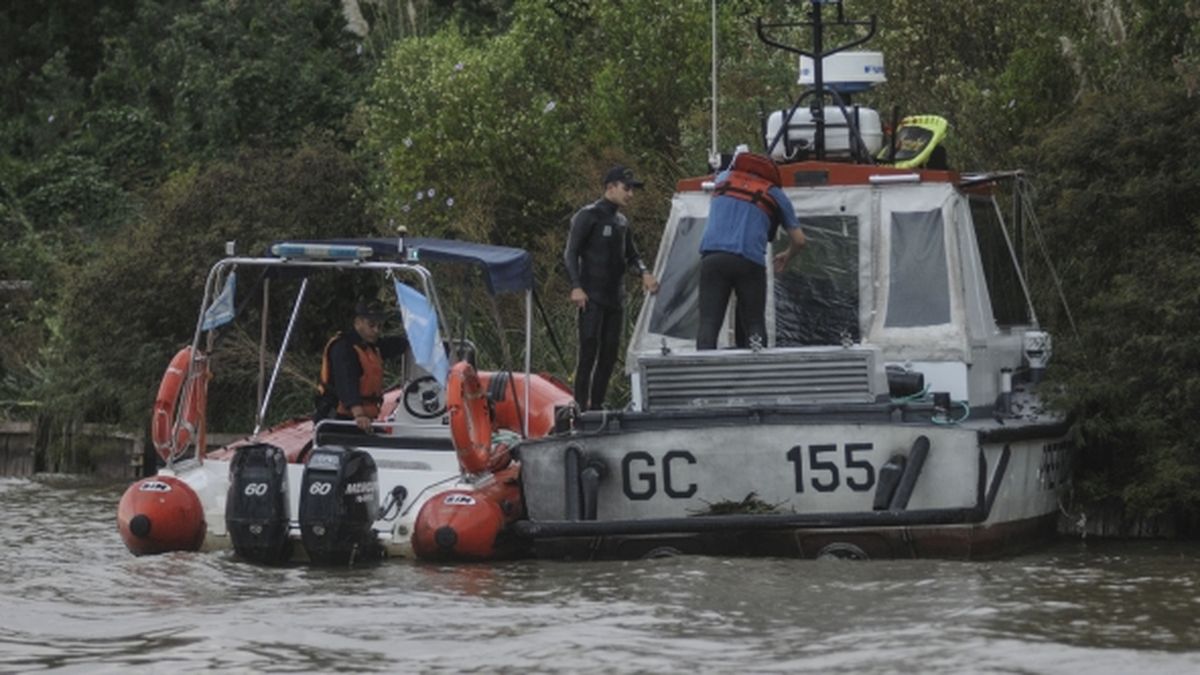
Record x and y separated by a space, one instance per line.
579 298
649 283
797 242
780 261
361 419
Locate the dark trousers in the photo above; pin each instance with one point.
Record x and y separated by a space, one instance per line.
723 273
599 343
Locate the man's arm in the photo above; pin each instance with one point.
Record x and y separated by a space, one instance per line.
581 228
633 260
796 238
392 346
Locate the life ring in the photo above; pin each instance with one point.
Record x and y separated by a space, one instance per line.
470 420
172 428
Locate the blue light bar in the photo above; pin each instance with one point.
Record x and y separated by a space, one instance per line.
321 251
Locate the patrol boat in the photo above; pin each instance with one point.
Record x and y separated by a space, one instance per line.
897 409
424 484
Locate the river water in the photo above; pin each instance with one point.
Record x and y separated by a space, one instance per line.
72 599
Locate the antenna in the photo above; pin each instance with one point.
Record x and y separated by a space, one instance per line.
714 156
817 55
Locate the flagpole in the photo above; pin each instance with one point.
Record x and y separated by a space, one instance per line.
528 357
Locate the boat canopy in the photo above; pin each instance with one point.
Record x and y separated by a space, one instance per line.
506 269
897 267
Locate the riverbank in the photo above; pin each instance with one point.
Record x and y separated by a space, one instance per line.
103 451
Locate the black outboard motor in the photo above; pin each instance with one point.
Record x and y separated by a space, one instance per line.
339 504
256 507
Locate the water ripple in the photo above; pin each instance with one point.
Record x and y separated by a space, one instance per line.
74 600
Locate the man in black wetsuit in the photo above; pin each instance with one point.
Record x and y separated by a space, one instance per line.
599 250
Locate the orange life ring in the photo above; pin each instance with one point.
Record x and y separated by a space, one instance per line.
173 427
470 421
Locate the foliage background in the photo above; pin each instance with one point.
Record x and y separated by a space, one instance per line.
140 135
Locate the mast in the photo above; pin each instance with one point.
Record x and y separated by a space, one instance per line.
818 54
714 156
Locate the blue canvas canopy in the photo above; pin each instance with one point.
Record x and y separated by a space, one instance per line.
506 269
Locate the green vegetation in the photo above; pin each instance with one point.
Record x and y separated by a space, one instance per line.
140 135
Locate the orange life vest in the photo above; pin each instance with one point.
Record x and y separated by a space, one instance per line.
370 384
750 178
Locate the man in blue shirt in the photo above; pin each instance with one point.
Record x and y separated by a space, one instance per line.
746 203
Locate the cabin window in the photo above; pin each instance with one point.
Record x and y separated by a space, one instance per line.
1004 284
677 304
816 297
918 291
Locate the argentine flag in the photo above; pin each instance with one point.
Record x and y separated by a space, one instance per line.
420 322
220 312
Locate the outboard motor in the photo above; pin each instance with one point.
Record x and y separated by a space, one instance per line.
339 504
256 507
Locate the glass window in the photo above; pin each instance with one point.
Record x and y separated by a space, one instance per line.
816 296
677 304
1004 286
918 291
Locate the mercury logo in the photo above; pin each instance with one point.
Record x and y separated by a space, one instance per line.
362 488
154 486
459 500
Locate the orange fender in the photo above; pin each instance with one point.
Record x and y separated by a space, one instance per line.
173 427
468 524
470 420
160 514
507 391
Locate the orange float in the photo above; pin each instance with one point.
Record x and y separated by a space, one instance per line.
470 419
173 427
160 514
468 524
506 390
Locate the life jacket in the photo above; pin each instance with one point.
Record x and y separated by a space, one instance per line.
750 178
370 384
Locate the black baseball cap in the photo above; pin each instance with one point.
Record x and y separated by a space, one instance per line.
622 174
370 310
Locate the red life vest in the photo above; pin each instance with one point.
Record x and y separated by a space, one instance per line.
750 177
370 384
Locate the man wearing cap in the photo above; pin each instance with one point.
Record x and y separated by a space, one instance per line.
351 385
599 250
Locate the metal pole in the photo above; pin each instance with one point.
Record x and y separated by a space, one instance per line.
714 157
287 338
528 357
818 104
262 348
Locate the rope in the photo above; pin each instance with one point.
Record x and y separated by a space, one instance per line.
1031 217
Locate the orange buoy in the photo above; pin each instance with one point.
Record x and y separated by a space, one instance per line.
160 514
172 428
457 525
507 393
470 420
468 524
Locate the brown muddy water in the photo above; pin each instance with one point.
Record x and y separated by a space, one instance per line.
72 599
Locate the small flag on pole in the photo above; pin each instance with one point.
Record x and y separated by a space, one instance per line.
220 312
420 322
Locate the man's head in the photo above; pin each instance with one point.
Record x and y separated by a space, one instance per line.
619 185
368 320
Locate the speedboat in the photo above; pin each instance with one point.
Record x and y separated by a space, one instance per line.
435 478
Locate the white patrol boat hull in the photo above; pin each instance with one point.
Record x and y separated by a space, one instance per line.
794 482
